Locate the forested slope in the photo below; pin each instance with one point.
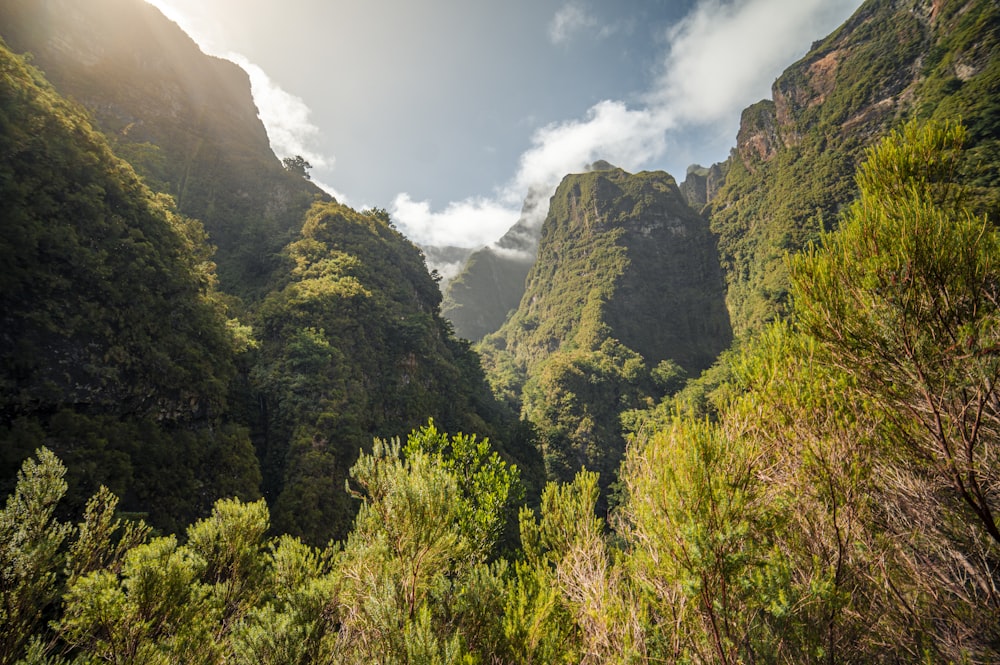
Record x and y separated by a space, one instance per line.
791 173
625 298
116 349
352 345
184 120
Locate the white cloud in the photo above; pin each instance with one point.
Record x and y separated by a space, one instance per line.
285 116
571 19
610 131
724 55
469 223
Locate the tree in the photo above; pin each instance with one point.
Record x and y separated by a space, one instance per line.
31 551
297 165
905 300
906 296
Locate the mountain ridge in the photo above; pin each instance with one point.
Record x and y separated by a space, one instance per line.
184 120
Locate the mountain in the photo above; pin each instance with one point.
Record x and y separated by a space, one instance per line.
791 173
352 346
626 293
116 350
122 351
184 120
701 184
491 281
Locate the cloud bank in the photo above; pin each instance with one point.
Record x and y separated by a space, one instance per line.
285 116
462 223
722 57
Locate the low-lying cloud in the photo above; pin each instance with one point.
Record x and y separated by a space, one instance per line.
469 223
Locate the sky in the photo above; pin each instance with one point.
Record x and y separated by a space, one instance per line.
445 112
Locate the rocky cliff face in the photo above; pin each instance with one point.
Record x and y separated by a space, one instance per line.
791 170
626 288
701 183
631 247
186 121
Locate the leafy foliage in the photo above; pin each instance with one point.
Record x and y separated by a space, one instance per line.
116 347
353 347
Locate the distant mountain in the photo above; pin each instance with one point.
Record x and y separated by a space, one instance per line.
701 184
626 291
491 281
186 121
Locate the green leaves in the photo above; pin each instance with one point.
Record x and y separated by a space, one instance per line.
488 487
31 551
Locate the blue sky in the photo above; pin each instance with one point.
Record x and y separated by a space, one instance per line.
444 112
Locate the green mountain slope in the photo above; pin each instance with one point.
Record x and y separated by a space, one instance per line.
626 293
114 348
353 347
184 120
791 172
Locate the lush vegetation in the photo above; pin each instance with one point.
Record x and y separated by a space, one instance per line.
624 299
121 354
842 507
117 349
204 479
351 345
790 177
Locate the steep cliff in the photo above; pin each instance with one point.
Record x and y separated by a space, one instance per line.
791 171
626 292
115 349
184 120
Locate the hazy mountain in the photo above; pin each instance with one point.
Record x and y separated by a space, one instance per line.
445 261
186 121
491 280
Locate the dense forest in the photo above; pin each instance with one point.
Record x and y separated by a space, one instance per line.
747 418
